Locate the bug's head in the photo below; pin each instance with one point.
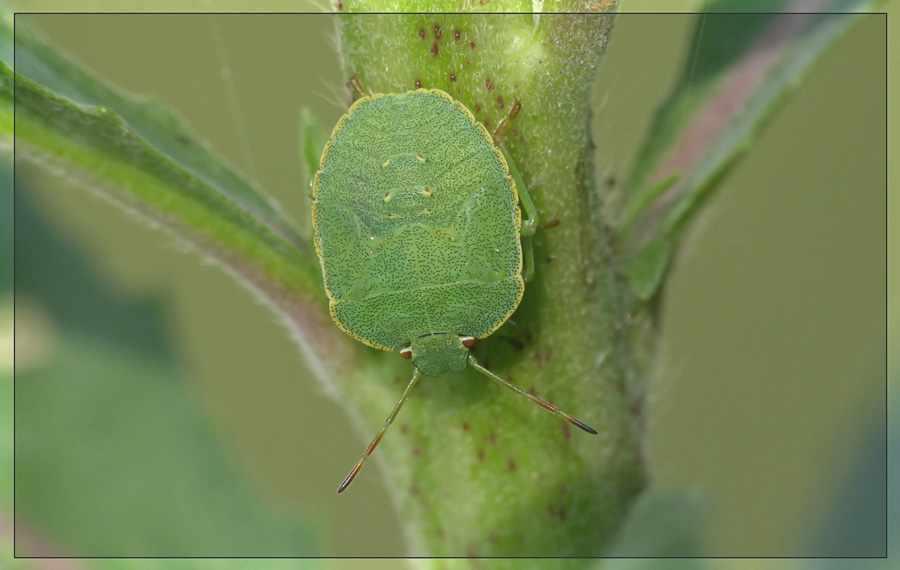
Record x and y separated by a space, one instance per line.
436 354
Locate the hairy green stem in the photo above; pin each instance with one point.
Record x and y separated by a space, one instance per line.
477 471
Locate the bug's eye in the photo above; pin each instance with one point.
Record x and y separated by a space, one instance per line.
406 353
468 341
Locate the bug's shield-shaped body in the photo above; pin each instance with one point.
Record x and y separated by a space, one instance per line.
416 222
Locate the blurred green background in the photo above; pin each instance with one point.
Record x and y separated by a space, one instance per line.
773 352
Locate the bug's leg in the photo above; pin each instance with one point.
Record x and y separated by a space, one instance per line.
357 87
507 121
529 224
378 437
542 403
528 261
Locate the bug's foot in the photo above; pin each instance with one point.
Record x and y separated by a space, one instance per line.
528 228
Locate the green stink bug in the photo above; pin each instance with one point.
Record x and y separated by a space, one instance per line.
416 219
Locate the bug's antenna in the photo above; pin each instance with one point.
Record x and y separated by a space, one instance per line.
378 437
542 403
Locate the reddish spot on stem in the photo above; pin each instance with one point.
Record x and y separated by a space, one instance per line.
472 45
557 512
465 426
340 6
480 454
490 86
418 84
437 31
452 78
417 451
492 439
511 464
456 35
500 102
404 428
435 50
421 33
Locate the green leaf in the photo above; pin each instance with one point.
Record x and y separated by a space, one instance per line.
114 454
143 159
109 156
147 121
738 69
718 43
141 156
638 205
646 268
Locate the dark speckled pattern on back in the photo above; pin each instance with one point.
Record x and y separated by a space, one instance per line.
442 253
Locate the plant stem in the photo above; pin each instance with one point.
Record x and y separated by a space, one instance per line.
475 471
